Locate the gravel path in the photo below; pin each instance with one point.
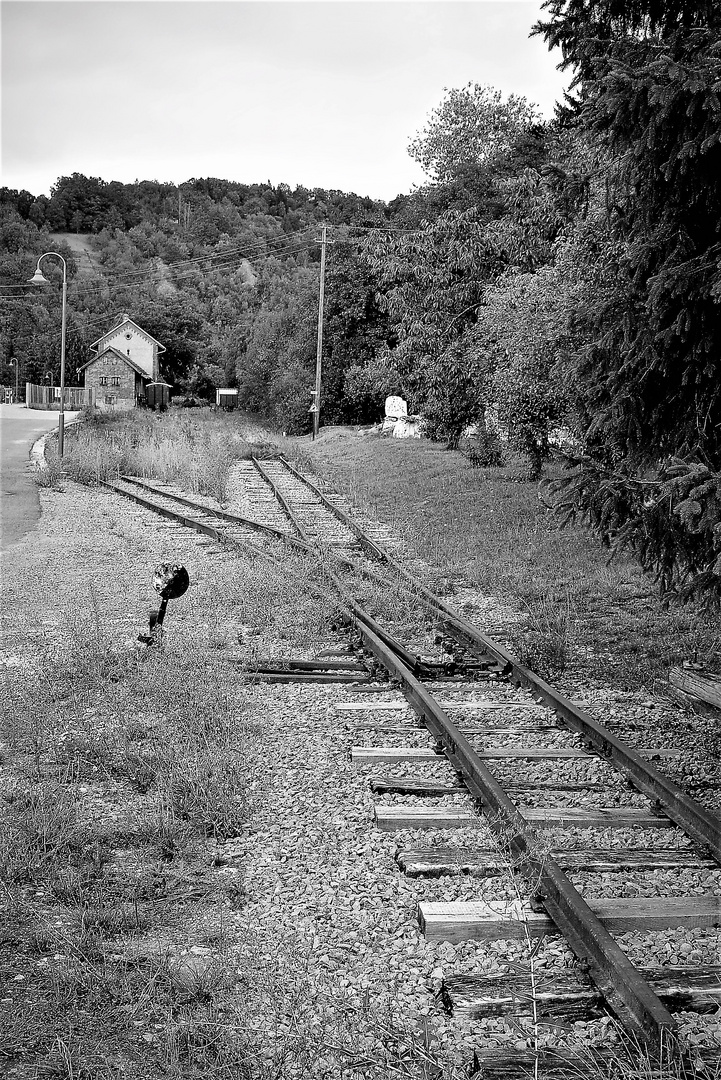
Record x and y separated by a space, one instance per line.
327 930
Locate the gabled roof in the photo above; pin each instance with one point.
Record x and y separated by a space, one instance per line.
119 323
120 356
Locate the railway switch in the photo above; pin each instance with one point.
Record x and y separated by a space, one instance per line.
170 580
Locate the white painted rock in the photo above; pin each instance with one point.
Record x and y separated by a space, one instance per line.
406 429
396 407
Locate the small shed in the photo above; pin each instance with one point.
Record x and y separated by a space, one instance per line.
225 398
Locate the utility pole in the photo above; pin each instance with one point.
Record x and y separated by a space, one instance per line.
319 353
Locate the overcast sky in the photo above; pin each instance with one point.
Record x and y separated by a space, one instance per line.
325 94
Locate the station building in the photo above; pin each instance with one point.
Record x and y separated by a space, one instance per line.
125 362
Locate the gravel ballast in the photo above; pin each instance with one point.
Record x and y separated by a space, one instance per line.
326 932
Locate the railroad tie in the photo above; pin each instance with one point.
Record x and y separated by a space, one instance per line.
570 996
414 785
489 862
490 920
553 1063
395 818
389 729
362 755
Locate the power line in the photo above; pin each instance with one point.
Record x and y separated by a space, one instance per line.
277 251
260 247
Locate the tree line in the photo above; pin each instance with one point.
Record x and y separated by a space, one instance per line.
563 273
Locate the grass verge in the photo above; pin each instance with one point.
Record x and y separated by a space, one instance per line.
487 528
194 448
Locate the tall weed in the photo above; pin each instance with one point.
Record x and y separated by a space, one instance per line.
194 449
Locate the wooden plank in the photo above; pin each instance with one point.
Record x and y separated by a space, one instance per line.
389 729
700 686
572 997
285 664
393 818
302 677
413 785
483 705
557 1064
487 862
563 996
369 754
479 920
595 817
370 706
362 755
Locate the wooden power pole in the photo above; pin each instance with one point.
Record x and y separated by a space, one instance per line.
319 354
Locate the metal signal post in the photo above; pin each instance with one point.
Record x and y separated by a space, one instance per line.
319 353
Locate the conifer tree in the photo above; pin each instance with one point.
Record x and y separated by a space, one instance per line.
646 89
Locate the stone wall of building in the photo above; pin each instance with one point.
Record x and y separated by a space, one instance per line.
113 382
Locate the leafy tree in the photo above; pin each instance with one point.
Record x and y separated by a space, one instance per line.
275 374
366 386
176 326
523 324
472 127
356 330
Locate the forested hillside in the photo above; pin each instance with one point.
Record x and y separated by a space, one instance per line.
565 272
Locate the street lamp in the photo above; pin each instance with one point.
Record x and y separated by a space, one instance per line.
15 363
39 279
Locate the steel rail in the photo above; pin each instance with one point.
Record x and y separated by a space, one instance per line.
411 660
700 824
351 609
625 990
277 534
209 530
369 545
172 515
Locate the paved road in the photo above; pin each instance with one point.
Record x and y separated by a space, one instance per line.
19 499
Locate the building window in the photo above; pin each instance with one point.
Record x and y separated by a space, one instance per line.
115 380
103 380
110 399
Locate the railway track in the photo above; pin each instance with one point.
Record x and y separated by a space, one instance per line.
548 764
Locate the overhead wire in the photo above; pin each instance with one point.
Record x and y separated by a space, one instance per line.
273 245
182 268
241 254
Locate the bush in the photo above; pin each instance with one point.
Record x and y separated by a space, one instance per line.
482 449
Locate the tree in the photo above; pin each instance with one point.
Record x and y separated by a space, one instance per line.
356 331
649 94
275 374
524 325
177 326
646 82
471 128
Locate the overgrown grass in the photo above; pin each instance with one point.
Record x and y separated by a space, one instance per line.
193 447
487 528
123 767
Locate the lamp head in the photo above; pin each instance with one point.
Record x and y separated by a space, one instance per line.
38 278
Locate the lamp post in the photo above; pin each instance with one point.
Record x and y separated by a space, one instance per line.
15 363
39 279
